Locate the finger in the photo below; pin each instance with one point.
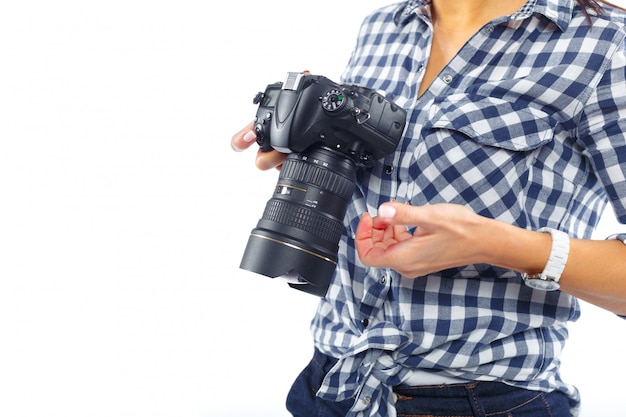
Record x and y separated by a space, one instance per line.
401 233
366 238
364 228
390 232
269 159
243 139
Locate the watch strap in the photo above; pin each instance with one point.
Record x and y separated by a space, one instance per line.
559 253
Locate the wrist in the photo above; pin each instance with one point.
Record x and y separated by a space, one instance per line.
515 248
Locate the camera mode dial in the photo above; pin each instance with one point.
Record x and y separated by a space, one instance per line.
334 100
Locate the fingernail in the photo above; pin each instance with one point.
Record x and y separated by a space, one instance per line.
249 137
386 211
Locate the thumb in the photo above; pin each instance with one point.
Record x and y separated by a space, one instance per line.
398 213
387 211
406 214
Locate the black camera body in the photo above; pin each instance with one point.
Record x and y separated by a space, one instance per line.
308 110
328 130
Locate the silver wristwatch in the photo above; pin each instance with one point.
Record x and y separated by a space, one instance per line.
548 279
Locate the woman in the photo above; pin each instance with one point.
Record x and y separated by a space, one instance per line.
466 250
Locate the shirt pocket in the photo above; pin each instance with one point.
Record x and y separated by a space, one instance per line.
481 153
495 122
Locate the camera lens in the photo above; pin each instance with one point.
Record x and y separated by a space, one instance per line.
298 235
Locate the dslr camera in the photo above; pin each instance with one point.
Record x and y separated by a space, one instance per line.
328 131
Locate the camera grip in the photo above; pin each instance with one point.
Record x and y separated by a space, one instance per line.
262 128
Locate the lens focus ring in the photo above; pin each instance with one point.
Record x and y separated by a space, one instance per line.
317 176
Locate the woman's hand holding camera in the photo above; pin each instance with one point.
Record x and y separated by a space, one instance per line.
243 139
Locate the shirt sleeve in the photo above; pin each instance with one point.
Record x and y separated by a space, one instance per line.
620 236
602 130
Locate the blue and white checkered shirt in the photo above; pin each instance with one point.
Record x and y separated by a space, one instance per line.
525 125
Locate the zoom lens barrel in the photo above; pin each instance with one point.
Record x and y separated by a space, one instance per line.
298 234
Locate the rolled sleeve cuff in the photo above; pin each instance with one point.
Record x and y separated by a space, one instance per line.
619 236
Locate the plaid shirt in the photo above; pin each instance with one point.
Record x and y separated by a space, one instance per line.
525 125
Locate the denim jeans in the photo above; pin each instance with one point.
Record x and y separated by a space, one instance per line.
475 399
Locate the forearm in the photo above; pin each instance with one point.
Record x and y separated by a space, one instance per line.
596 272
595 269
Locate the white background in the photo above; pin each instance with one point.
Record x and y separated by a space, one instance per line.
125 212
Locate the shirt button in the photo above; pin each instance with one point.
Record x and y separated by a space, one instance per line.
447 78
490 29
383 280
388 169
365 323
366 400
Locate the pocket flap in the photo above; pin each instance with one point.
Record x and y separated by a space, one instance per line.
495 122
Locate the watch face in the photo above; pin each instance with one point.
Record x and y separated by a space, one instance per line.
542 284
